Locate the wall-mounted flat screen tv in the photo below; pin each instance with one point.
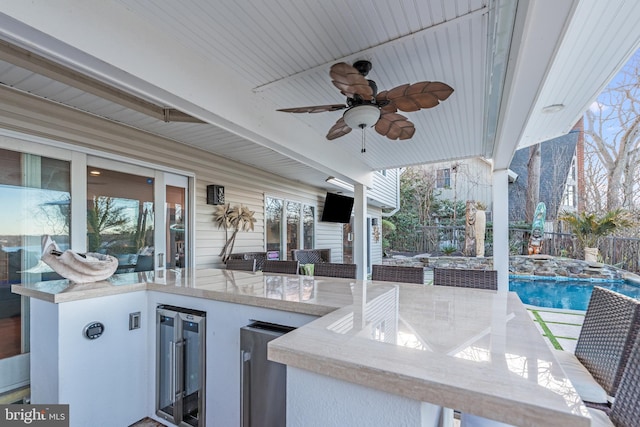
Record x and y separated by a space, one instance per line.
337 208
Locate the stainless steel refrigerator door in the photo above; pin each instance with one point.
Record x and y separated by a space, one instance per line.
263 382
166 338
180 366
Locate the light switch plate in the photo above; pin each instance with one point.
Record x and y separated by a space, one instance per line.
134 320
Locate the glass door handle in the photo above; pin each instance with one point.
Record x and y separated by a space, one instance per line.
161 260
179 369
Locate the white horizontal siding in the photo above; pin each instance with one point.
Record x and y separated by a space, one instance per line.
471 182
385 189
243 184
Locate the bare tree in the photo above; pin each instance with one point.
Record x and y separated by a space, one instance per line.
533 182
612 129
419 184
556 173
595 175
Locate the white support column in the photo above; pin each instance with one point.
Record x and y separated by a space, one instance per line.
501 227
360 230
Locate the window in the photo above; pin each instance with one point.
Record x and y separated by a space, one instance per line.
309 217
273 214
569 198
293 226
443 178
299 230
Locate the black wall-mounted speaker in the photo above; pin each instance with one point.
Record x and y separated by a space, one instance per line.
215 195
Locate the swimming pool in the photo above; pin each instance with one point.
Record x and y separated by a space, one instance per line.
567 294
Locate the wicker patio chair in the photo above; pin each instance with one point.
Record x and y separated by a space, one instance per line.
330 269
284 267
625 410
241 264
397 273
466 278
260 257
311 256
608 334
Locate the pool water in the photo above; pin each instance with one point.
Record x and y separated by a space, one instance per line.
566 294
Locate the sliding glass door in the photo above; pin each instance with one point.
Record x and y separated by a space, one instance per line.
140 215
36 196
137 215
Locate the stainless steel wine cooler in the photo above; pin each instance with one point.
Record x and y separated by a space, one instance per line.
180 365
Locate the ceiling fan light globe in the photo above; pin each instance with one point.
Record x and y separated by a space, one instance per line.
361 116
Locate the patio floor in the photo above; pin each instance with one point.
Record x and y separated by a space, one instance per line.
560 328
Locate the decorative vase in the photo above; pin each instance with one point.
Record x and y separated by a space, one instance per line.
591 254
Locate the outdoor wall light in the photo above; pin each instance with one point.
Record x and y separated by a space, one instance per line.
215 195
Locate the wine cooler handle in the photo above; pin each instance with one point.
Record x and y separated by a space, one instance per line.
245 359
172 370
180 373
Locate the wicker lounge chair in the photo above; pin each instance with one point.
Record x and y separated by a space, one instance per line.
465 278
397 273
284 267
330 269
241 264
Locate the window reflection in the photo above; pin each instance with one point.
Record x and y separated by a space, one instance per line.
120 213
293 226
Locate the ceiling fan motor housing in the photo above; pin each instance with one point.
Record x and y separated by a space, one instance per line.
362 66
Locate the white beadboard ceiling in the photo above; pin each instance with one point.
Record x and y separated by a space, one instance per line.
233 63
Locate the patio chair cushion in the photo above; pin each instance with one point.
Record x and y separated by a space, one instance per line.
599 418
582 380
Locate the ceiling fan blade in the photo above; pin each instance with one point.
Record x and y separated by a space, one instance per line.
338 130
416 96
395 126
350 81
314 108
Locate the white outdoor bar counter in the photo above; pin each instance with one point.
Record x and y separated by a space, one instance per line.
377 352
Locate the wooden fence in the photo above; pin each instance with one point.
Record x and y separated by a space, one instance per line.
618 251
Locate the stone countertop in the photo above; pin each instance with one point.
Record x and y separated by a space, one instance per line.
300 294
474 350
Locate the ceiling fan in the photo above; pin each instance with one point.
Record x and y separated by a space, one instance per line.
366 108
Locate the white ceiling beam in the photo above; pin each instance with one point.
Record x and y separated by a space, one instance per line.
539 26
